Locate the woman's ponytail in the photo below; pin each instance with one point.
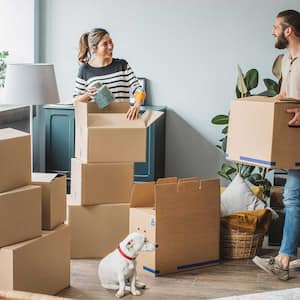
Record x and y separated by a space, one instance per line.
84 51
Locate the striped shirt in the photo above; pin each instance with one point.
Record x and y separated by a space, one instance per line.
117 76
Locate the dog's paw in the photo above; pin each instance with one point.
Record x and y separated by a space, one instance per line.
120 294
136 293
140 285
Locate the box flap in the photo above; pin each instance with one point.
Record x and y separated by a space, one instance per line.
113 120
91 107
44 177
142 195
150 116
166 180
10 133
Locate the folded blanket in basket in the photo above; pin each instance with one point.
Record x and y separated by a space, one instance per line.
250 221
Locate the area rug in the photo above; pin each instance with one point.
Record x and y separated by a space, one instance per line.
289 294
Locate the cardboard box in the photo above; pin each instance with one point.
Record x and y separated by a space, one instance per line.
20 215
107 136
54 203
15 159
97 230
259 133
41 265
182 217
101 183
16 295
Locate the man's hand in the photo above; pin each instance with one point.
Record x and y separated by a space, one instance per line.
295 121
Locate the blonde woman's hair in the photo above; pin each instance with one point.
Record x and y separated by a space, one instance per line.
88 41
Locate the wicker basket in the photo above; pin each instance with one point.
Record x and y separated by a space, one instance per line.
236 244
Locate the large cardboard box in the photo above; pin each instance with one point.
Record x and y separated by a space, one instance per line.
182 217
20 215
54 203
41 265
97 230
15 159
259 133
101 183
107 136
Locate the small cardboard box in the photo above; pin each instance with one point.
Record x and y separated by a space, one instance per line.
259 133
101 183
20 215
105 135
98 229
41 265
15 159
182 217
54 203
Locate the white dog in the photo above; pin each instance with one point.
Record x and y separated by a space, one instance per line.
118 268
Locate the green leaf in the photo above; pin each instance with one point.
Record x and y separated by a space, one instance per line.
219 147
271 85
222 174
241 82
224 144
246 171
228 169
276 68
255 179
220 120
251 79
225 130
237 92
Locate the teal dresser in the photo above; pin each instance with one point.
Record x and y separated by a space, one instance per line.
60 138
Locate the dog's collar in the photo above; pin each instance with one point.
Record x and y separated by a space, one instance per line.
124 255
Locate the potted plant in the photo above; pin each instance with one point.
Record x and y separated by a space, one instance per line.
3 56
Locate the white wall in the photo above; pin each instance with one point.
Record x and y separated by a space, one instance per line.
17 30
188 49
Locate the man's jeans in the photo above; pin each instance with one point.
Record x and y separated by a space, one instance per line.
291 230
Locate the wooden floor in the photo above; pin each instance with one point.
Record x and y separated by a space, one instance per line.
234 277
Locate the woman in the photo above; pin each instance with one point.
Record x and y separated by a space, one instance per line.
98 65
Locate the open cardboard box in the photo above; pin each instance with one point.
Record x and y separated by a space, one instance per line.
182 217
105 135
54 202
259 133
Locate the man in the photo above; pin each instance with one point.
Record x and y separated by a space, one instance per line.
286 31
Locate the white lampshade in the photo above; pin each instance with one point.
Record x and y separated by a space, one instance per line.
30 84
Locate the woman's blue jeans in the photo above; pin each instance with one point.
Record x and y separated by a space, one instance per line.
291 230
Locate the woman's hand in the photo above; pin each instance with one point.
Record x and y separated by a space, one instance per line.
91 91
133 111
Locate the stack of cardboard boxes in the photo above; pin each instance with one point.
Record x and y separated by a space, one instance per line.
31 258
106 147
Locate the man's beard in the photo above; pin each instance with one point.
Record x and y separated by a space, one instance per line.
281 42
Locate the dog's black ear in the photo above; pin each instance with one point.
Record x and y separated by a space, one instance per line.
129 244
